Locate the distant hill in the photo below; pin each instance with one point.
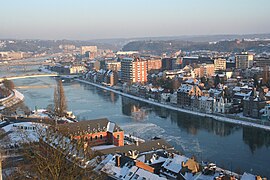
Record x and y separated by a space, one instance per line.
171 46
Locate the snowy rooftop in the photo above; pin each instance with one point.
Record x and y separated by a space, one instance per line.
174 164
143 175
185 88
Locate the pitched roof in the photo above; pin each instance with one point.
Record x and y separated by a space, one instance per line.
89 125
141 147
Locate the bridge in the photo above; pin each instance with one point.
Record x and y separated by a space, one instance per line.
28 76
29 63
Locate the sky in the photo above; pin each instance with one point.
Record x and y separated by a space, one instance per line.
102 19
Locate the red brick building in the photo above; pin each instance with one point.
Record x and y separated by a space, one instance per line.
94 132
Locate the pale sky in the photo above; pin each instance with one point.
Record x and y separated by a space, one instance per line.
99 19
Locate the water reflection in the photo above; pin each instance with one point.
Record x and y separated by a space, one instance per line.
104 94
135 109
256 138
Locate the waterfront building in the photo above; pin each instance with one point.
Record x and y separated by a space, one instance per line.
220 64
94 132
244 60
185 92
253 104
133 70
206 104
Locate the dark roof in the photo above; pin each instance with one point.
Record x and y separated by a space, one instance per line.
141 147
88 125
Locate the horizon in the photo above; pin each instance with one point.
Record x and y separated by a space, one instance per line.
141 37
92 20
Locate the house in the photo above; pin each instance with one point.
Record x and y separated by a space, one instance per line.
94 132
266 112
253 104
185 92
206 104
221 105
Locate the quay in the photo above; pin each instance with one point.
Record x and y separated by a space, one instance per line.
215 117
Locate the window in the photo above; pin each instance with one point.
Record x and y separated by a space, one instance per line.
101 137
118 136
91 139
96 137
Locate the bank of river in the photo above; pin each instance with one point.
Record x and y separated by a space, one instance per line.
229 145
218 118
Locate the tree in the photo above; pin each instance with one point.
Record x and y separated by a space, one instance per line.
217 80
60 105
8 84
203 79
56 156
256 80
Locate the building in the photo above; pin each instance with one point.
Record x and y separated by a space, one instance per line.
154 64
204 70
185 92
114 66
262 61
67 47
244 60
189 60
76 69
253 104
170 63
89 51
94 132
133 70
206 104
220 64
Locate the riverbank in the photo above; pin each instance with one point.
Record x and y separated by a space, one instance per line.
14 98
216 117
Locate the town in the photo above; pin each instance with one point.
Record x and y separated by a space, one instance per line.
222 85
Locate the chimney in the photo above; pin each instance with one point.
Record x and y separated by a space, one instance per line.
137 142
117 161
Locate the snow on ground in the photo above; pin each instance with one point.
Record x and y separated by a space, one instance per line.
95 148
40 113
23 132
2 122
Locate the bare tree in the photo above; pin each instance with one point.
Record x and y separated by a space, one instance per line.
60 105
8 84
58 157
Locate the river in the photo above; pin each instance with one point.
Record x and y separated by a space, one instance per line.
229 145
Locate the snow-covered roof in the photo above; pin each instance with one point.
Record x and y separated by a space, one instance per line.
191 81
174 164
247 176
267 94
143 174
185 88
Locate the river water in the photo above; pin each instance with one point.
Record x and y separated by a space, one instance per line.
230 146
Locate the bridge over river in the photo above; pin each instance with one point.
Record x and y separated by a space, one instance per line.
28 76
